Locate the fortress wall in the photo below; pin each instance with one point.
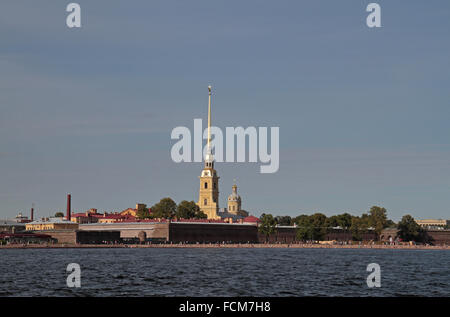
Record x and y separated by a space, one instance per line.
438 237
131 230
212 233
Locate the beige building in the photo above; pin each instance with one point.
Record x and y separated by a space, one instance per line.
234 201
433 223
51 224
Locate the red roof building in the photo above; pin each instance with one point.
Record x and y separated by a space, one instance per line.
251 220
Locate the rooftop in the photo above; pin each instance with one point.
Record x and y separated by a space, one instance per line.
6 222
251 219
51 220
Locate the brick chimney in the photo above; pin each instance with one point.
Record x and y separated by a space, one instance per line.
68 207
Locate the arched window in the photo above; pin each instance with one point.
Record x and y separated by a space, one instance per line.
205 202
206 185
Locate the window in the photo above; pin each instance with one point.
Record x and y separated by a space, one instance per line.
215 185
205 202
206 185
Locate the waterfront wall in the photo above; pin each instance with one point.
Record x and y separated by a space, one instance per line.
438 237
212 233
83 237
62 236
190 232
434 237
132 230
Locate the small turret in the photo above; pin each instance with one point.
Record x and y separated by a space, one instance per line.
234 201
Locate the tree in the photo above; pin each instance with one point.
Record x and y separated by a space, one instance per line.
333 221
166 208
409 230
304 227
377 219
142 212
283 220
390 224
359 225
301 220
312 227
267 225
345 220
318 222
59 214
188 210
305 232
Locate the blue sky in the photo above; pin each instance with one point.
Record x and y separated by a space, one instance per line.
363 113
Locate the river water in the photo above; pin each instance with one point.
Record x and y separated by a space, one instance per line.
224 272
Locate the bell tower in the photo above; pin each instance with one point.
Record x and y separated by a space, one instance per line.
208 200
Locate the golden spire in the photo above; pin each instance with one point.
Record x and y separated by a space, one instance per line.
209 118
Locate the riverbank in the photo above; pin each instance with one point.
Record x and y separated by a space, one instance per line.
225 246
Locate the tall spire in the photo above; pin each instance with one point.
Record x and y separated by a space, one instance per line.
209 158
209 118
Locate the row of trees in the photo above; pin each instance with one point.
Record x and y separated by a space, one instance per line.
316 226
168 209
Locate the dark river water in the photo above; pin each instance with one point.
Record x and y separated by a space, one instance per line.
224 272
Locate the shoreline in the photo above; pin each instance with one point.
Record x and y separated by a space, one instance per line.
224 246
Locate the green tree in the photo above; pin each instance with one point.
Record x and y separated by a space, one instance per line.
312 227
318 222
333 221
390 224
142 212
377 219
267 225
59 214
283 220
166 208
305 232
359 225
301 220
344 220
409 230
188 210
304 227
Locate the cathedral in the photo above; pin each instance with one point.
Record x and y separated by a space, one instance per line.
208 199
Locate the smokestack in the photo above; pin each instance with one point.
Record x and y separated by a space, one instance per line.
68 207
32 214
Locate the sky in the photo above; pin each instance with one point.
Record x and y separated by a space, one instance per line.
363 112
